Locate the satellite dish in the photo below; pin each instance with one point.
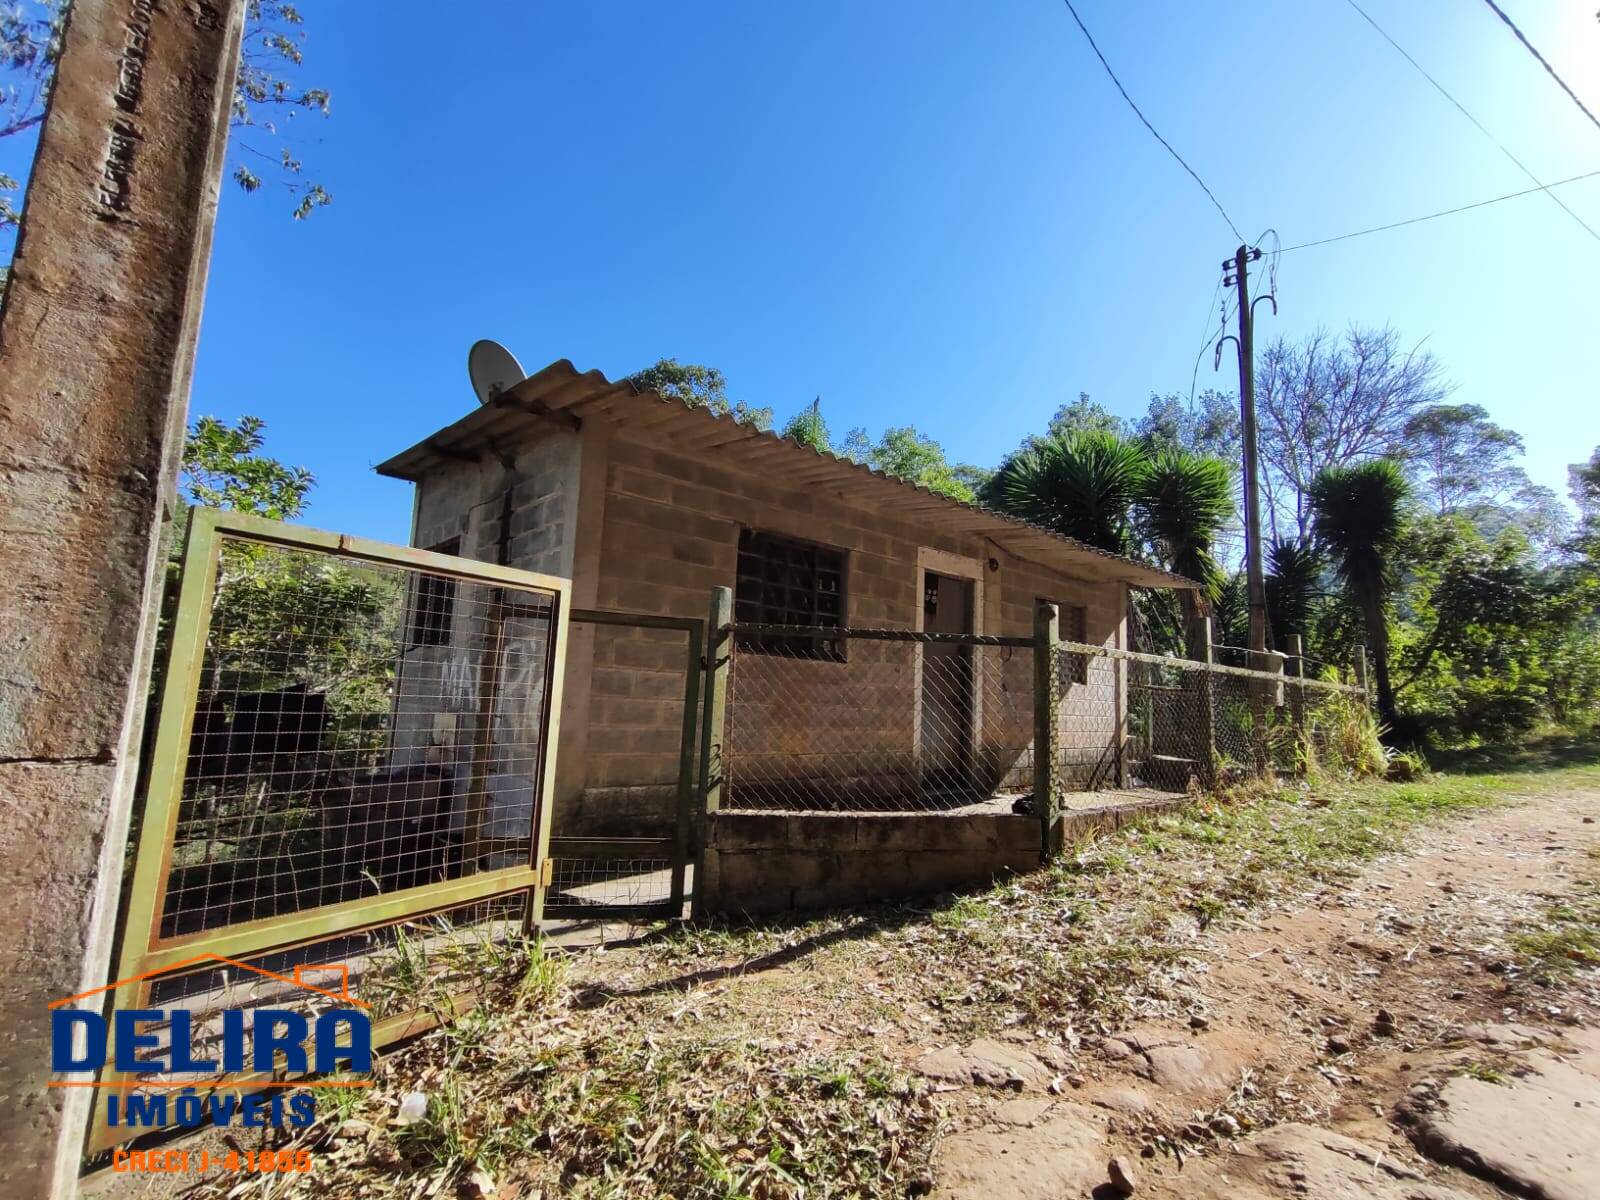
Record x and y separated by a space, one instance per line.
493 370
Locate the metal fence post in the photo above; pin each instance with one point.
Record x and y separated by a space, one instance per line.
719 656
1046 651
1361 674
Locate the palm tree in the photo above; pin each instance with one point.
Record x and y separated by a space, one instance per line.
1357 516
1294 584
1184 501
1081 484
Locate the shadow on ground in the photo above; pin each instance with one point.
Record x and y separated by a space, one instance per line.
852 924
1539 754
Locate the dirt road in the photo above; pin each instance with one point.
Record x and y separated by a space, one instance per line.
1374 1039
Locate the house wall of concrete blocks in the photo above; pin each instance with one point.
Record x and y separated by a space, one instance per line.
646 530
668 533
464 503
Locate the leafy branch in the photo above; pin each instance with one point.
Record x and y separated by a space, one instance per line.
268 94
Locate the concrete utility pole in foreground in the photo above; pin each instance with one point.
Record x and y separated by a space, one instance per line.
97 340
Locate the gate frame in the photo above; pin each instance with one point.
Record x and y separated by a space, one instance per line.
144 955
679 848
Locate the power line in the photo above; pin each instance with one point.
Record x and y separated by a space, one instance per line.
1194 376
1521 37
1146 121
1443 213
1459 107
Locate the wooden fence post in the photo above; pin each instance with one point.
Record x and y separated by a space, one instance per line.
1046 651
1205 742
1295 646
719 658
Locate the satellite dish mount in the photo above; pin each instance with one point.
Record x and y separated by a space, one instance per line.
494 370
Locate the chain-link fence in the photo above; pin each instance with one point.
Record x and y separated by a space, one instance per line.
1189 724
877 721
896 721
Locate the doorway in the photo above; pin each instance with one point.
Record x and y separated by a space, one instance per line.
947 699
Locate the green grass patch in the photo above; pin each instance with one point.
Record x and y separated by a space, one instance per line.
1567 936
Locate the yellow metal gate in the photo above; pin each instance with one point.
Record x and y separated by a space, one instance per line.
354 741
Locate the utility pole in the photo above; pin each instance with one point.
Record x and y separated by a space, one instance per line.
1239 265
97 340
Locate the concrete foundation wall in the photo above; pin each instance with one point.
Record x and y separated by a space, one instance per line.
774 862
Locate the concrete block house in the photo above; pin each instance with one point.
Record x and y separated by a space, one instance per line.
647 504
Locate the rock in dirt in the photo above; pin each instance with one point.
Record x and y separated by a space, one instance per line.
1123 1180
1184 1063
985 1062
1061 1156
1023 1111
1536 1134
1509 1035
1305 1160
1130 1102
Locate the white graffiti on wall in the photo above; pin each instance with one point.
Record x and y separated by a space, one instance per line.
519 702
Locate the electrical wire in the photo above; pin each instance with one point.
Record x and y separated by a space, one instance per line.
1543 62
1448 212
1146 122
1194 376
1461 108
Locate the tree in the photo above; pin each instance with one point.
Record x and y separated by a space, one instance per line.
697 386
1583 485
268 598
1294 586
1084 415
1460 459
1334 402
224 468
270 60
1081 484
1184 499
1210 427
1115 493
1492 642
912 456
1358 515
809 429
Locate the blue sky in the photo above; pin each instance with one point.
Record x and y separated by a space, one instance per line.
929 213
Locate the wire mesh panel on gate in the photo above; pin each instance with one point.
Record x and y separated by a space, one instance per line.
359 729
887 721
348 776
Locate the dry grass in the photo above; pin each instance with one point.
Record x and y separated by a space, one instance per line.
766 1061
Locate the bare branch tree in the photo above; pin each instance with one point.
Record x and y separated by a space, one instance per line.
1330 401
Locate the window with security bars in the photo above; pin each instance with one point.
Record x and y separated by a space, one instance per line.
1072 622
434 604
783 581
